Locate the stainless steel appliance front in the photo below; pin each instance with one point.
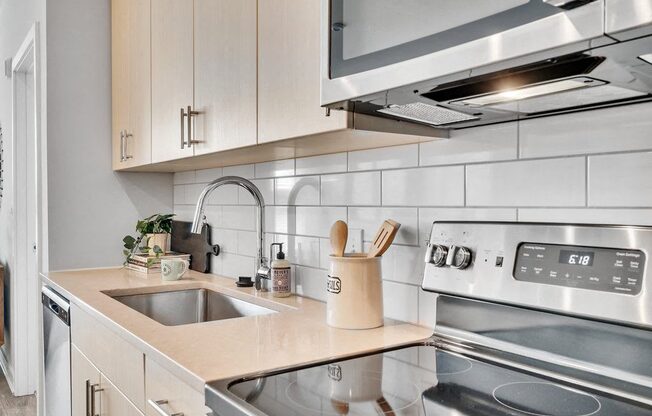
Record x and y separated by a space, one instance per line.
618 290
457 64
56 353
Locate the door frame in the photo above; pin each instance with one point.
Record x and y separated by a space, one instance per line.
25 322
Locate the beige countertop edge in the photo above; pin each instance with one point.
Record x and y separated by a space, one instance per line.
297 335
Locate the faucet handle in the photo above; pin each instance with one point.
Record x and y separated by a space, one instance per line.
263 272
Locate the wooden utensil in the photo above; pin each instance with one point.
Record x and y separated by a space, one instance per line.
339 235
384 238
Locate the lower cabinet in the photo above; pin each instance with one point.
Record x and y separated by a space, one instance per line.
93 394
166 394
111 377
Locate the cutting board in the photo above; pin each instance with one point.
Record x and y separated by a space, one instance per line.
197 245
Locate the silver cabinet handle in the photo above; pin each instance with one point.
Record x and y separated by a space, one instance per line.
158 406
191 113
94 388
88 390
127 156
122 145
183 139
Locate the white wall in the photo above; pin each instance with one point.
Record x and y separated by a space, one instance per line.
90 207
589 167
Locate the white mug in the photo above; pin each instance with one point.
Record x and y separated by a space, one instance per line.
174 269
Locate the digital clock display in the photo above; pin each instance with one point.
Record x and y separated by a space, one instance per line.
576 258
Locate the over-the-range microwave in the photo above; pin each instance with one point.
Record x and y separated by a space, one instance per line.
461 63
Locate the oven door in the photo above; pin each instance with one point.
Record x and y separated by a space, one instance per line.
374 45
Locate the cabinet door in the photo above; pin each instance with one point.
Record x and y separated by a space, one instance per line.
289 72
131 83
83 374
172 76
225 74
161 385
114 403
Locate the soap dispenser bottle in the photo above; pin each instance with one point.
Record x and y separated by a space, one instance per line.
281 273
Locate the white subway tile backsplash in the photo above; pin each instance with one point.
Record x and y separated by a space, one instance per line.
239 217
544 183
429 215
351 189
234 265
192 193
306 251
321 164
481 144
302 190
424 186
406 156
404 264
179 196
310 282
281 220
275 168
634 216
401 301
266 187
224 195
245 171
369 220
182 178
227 239
474 175
208 175
598 131
317 221
623 180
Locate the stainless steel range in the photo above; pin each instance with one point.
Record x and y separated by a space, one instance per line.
532 319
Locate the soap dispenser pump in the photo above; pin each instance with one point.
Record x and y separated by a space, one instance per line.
281 273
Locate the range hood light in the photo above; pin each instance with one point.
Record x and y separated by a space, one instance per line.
528 92
647 58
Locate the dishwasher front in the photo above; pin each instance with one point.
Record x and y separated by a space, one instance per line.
56 353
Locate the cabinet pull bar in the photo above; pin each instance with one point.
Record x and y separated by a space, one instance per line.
191 113
158 406
94 389
183 140
122 145
88 382
127 135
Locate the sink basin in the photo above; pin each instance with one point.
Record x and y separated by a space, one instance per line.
190 306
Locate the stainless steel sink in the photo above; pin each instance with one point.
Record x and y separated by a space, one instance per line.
190 306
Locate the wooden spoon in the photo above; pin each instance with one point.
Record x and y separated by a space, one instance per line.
384 238
339 235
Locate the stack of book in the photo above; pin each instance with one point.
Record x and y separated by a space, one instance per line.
144 263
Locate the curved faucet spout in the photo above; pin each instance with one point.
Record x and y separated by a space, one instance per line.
200 218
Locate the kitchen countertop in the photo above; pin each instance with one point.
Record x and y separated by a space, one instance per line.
209 351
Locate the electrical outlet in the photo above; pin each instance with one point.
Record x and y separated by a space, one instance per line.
354 242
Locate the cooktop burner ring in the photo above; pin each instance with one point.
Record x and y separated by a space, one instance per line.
468 365
592 401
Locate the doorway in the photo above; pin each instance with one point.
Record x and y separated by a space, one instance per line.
20 358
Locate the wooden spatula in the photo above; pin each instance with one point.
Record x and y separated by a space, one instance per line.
383 238
339 235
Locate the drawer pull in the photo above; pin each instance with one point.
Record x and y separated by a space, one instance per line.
158 406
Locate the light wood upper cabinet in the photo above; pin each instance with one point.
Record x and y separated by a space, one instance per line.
131 78
225 74
289 72
172 76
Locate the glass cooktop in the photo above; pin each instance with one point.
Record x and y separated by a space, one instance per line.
423 380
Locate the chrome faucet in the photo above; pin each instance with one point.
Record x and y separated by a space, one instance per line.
262 272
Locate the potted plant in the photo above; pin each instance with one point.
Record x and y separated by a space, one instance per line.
153 237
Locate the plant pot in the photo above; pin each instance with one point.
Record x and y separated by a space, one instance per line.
162 240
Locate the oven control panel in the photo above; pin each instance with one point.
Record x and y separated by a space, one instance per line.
598 271
594 268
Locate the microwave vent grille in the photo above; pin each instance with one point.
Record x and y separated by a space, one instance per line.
426 113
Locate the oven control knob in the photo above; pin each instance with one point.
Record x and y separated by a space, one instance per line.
458 257
437 255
